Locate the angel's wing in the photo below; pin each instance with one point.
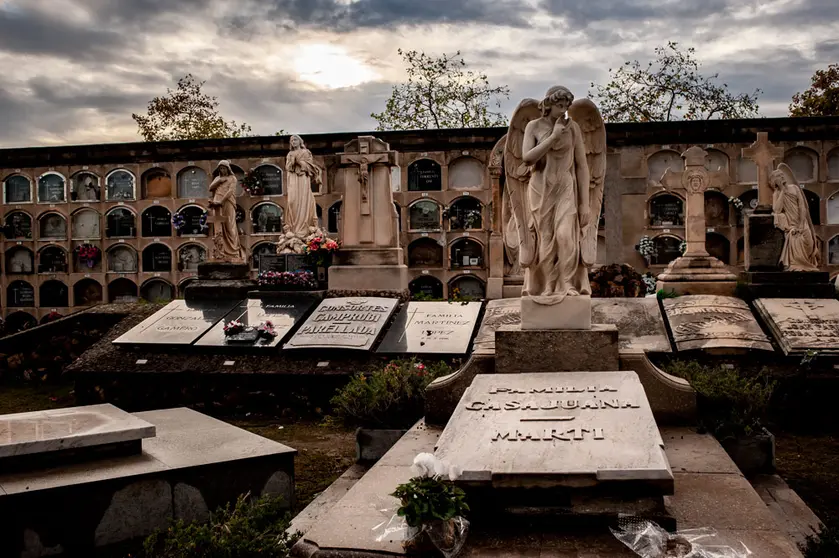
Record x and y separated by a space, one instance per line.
584 112
517 176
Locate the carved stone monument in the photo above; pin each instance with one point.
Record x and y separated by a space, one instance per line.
301 222
763 242
696 272
370 259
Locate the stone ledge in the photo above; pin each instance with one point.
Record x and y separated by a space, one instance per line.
557 350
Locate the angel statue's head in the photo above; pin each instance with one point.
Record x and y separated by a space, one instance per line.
224 168
780 177
297 142
556 101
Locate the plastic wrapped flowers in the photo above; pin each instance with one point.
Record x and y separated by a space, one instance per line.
233 327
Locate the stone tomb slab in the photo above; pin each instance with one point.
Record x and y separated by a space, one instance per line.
802 324
179 323
432 327
567 429
713 322
344 323
283 313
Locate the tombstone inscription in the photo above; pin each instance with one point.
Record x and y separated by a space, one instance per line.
178 323
425 175
282 312
802 324
344 323
432 327
710 321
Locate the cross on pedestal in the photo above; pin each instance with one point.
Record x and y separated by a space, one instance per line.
764 154
693 182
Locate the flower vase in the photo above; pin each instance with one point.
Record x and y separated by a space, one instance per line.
90 263
435 538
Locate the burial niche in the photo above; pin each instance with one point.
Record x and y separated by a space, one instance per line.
832 209
814 204
120 185
193 183
192 216
466 252
17 189
51 188
267 219
659 162
667 249
183 285
803 164
156 221
87 292
466 173
157 183
272 180
54 294
18 226
84 187
718 246
20 321
157 290
122 259
20 260
746 171
52 259
833 251
122 290
20 294
667 210
749 199
424 215
264 249
426 287
157 258
833 165
120 223
85 224
332 217
466 287
741 251
425 175
716 161
52 226
190 256
465 214
716 209
425 253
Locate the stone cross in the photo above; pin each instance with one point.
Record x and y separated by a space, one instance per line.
695 180
764 154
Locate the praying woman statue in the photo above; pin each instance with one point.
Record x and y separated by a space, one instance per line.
223 203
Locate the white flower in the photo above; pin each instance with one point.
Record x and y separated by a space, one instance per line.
428 465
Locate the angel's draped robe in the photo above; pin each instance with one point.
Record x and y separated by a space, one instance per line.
228 246
552 194
801 250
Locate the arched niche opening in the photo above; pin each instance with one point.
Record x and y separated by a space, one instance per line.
52 259
333 216
54 294
156 183
319 213
814 204
122 290
120 185
666 249
746 171
659 162
718 246
466 173
20 261
262 249
833 165
52 188
157 258
87 292
18 226
833 209
272 180
424 215
425 253
156 221
20 294
425 175
87 265
19 321
833 251
465 214
716 209
426 287
192 217
466 253
466 287
193 183
749 200
52 226
122 259
716 161
803 162
190 255
17 189
120 223
85 224
85 187
741 251
157 290
267 219
667 210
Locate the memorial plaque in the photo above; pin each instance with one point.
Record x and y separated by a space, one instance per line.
424 175
432 327
802 324
193 183
344 323
272 180
18 190
51 188
21 295
271 262
500 313
424 216
639 322
121 186
713 322
179 323
557 429
283 312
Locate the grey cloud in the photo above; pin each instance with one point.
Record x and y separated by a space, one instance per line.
68 95
582 13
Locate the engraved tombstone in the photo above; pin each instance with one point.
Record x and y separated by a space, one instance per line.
802 324
120 185
425 253
53 226
344 323
425 175
157 258
20 294
51 188
193 183
424 215
18 189
18 225
284 312
86 224
713 322
179 323
432 327
272 180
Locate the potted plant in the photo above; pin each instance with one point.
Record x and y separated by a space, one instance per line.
385 404
287 281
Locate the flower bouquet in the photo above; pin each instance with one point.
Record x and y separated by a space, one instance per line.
320 248
291 280
233 327
266 331
202 222
254 183
646 248
736 202
88 254
178 221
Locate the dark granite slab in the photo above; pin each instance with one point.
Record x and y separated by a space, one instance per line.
283 313
178 323
432 327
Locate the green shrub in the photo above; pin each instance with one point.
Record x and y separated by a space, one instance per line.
249 528
730 404
420 296
666 294
391 397
425 499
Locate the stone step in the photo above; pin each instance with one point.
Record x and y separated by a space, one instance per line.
326 500
792 514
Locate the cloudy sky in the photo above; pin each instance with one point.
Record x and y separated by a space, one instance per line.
73 71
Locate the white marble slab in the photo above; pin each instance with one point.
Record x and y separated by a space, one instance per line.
344 323
802 324
63 429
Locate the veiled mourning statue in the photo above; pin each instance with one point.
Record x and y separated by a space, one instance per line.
801 251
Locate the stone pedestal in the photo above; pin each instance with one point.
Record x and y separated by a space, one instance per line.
220 281
763 243
690 275
787 284
573 313
368 270
557 350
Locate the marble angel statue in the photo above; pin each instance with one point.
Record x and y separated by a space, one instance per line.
801 251
226 241
302 173
555 164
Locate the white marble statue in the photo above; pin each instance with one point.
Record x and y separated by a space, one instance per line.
227 246
801 250
555 166
302 173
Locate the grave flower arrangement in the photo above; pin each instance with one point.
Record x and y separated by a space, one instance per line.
646 247
178 221
649 283
266 330
88 254
295 279
320 248
736 202
233 327
683 246
254 183
202 222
